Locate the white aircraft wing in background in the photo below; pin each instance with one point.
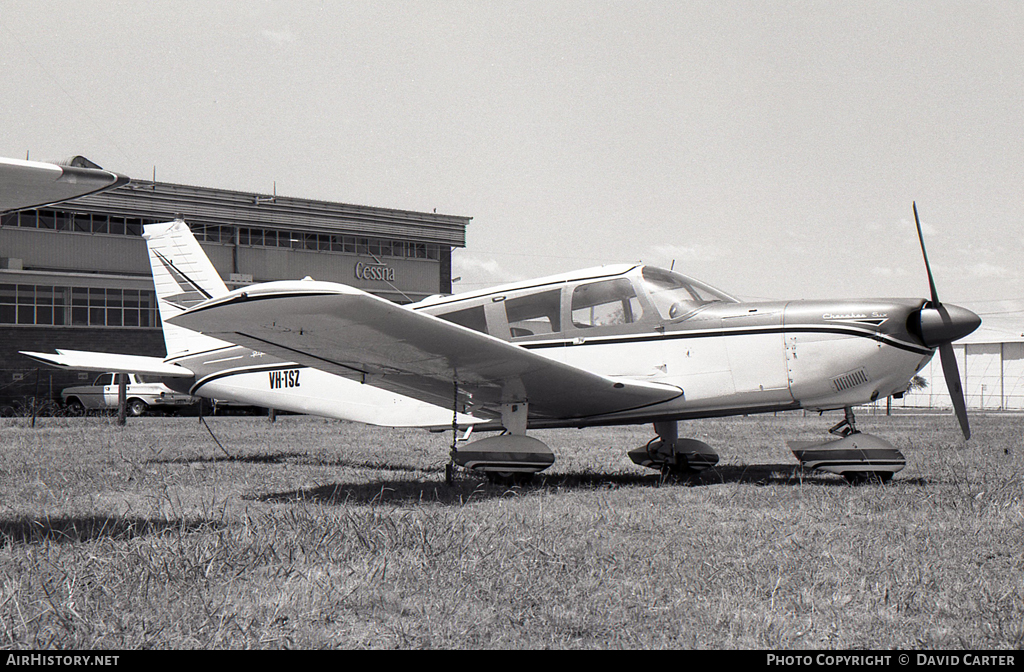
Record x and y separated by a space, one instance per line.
31 184
348 332
102 362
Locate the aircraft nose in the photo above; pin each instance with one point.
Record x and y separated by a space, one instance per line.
944 324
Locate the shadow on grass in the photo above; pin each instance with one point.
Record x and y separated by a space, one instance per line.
757 474
765 474
265 458
470 487
294 457
787 474
65 529
466 488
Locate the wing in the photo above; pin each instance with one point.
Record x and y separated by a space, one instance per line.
349 332
80 360
30 184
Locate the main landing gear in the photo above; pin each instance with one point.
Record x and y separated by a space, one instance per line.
672 455
509 458
857 457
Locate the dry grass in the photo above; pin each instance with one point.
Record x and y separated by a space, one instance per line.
317 533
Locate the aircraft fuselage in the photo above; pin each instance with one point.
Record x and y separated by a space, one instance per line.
725 356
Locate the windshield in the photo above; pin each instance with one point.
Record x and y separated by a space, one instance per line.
676 295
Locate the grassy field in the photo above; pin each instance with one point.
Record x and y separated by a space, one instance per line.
315 533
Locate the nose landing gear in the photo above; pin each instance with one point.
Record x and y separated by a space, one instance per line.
857 457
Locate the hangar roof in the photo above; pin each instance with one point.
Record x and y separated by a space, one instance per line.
991 331
222 207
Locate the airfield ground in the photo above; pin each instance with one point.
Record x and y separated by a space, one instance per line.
312 533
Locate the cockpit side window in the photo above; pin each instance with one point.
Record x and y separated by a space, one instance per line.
605 303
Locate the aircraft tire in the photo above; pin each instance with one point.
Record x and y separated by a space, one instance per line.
509 478
866 477
678 469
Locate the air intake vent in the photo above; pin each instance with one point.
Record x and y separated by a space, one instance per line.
849 380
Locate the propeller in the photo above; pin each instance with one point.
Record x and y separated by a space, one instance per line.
938 326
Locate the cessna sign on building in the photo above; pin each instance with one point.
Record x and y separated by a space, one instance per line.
378 272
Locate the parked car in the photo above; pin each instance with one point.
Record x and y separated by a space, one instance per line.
142 395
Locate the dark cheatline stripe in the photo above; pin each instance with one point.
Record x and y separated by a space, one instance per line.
639 338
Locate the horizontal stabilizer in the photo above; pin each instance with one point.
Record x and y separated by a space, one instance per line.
102 362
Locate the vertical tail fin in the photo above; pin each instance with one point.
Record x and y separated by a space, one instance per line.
183 277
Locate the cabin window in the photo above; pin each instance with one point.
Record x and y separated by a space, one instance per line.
605 303
534 314
471 318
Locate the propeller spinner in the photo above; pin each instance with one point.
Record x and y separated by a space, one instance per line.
938 325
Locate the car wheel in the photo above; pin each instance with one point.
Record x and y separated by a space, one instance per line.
75 407
136 407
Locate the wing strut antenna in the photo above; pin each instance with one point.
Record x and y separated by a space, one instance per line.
203 422
449 469
407 298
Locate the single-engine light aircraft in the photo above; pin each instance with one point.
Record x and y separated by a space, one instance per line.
614 345
624 344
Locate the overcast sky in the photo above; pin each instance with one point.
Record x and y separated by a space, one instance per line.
772 149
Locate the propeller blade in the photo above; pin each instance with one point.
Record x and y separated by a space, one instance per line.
946 331
927 266
956 391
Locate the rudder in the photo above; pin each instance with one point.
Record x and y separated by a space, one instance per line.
183 277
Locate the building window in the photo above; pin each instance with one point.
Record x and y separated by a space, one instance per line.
213 233
320 242
47 305
79 222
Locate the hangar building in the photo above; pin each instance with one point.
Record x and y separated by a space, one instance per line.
76 275
991 364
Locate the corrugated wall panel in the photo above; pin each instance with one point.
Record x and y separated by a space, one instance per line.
76 252
1013 376
412 276
226 208
984 372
